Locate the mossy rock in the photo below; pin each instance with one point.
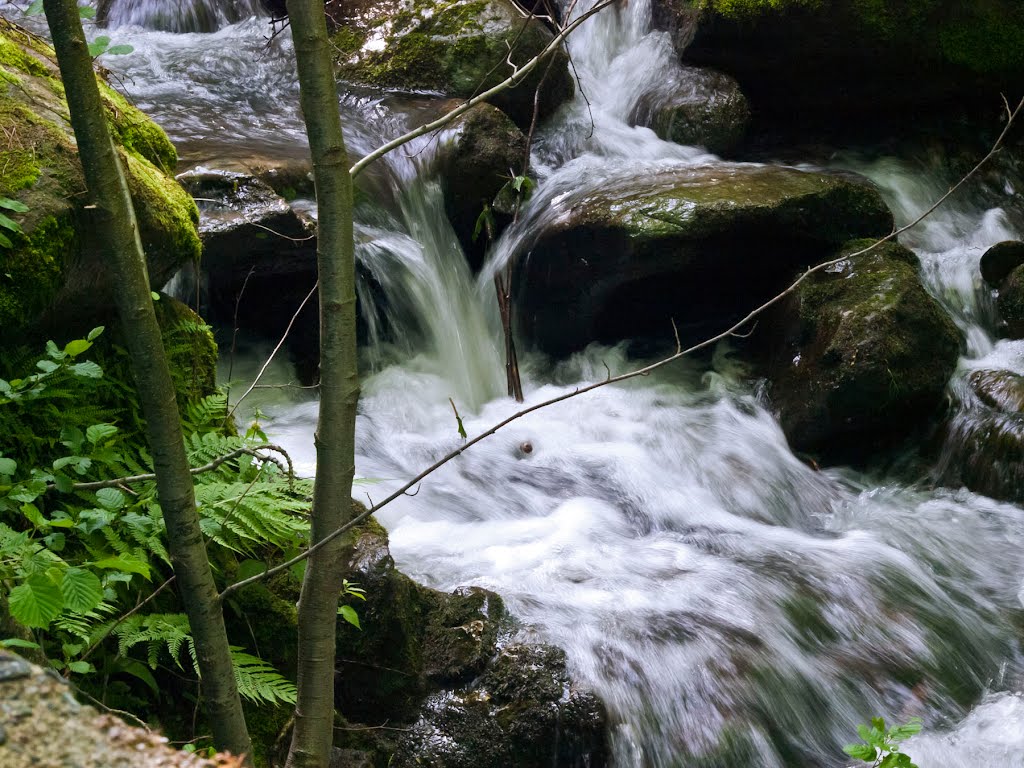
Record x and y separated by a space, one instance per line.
56 268
815 62
700 246
485 150
865 357
454 47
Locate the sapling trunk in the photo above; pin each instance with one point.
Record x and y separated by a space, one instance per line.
111 214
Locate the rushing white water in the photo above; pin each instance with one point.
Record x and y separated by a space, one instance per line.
732 606
180 15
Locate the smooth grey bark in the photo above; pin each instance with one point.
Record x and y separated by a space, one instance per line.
112 215
339 386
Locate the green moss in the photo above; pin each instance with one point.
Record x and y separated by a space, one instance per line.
30 271
167 214
137 133
190 348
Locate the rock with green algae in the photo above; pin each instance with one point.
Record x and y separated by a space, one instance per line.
862 356
454 47
837 61
55 270
701 246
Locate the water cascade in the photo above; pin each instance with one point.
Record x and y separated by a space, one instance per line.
732 606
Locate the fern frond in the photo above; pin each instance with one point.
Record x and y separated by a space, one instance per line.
259 682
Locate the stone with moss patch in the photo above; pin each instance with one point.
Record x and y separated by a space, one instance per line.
701 246
56 267
863 357
454 47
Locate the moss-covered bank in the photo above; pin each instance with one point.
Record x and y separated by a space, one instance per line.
54 271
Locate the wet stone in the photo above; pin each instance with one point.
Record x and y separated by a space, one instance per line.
13 668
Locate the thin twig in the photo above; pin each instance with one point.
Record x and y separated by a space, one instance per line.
277 349
209 467
644 371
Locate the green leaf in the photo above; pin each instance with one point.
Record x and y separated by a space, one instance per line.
34 516
97 433
88 370
91 336
348 613
54 542
123 563
863 752
10 224
5 242
86 12
878 724
154 295
120 50
80 667
903 732
110 498
13 205
47 366
35 9
81 589
8 466
17 642
36 602
76 347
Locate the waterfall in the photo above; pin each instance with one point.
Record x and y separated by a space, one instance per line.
177 15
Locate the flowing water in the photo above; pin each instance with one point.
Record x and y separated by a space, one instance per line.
732 606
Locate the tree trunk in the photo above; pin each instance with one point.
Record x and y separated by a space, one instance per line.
339 386
113 217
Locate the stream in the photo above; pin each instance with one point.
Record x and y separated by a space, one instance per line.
721 596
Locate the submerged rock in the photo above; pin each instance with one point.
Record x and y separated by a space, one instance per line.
700 246
55 270
454 47
861 357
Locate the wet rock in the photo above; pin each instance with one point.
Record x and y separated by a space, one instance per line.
485 151
1011 303
1000 260
523 712
55 272
862 356
700 246
453 47
819 63
13 668
984 442
706 108
430 664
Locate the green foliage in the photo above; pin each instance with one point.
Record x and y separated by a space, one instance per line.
8 223
347 612
101 45
880 745
77 556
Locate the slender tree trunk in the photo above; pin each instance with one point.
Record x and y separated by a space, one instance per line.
114 218
339 386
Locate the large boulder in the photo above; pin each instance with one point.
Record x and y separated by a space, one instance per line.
823 62
1000 260
55 272
454 47
699 246
862 356
1011 303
